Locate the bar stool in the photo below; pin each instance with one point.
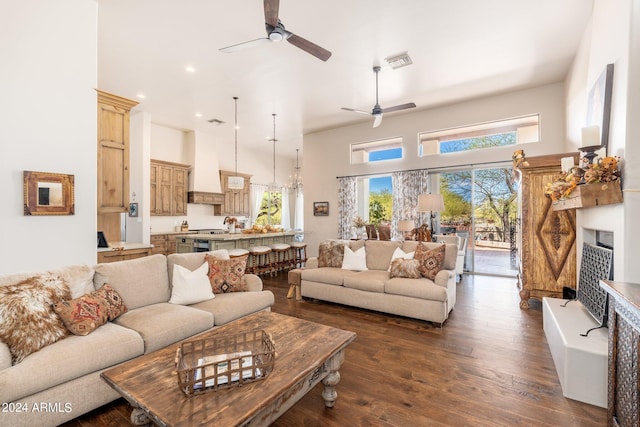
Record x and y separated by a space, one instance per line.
300 254
259 260
281 256
236 253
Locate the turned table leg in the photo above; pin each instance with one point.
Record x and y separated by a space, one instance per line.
329 394
139 417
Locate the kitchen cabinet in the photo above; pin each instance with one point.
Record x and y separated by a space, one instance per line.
168 188
236 202
122 255
205 198
113 162
547 248
164 244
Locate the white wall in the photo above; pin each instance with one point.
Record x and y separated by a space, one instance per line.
327 152
48 110
608 40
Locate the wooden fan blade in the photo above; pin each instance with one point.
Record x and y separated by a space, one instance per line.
399 107
271 8
356 111
244 45
309 47
377 120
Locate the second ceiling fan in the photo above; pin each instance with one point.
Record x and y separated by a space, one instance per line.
377 111
276 32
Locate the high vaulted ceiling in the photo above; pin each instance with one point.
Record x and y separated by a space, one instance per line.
460 49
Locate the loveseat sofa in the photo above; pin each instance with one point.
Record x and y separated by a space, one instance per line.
377 288
61 381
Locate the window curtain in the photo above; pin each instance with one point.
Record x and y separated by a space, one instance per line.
286 215
347 206
298 219
407 186
257 193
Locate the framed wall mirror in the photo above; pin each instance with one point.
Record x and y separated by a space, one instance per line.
48 193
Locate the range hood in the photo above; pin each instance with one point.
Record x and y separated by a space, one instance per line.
204 180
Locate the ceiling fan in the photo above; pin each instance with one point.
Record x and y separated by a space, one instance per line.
276 32
377 110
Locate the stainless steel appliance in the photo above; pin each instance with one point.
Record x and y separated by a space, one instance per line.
200 245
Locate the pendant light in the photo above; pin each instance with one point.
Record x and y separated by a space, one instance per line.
295 180
236 182
273 185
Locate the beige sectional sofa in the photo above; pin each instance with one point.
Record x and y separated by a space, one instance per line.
375 289
62 380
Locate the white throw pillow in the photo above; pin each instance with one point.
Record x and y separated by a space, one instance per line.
399 253
356 261
190 287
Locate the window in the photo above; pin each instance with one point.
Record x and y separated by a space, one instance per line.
514 131
375 200
270 209
375 151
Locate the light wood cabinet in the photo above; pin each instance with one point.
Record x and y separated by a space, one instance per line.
236 202
168 188
113 162
547 239
164 244
123 255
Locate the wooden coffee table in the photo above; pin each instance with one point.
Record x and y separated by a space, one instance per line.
307 353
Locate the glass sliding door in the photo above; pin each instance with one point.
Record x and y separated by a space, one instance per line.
481 205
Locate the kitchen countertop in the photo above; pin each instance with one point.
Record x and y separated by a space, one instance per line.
117 246
162 233
235 236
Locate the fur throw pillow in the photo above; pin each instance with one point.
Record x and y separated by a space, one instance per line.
430 260
27 319
407 268
330 254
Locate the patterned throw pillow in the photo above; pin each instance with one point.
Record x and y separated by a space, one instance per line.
227 275
407 268
330 254
430 260
85 314
27 320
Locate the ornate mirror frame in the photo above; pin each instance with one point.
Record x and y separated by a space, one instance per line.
48 193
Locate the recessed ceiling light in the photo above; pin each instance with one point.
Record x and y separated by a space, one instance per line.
198 114
141 96
190 69
397 61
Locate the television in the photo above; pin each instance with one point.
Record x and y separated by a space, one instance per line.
595 266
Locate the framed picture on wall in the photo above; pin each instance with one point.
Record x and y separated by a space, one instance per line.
321 208
599 104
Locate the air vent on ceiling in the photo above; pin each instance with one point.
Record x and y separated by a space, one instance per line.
397 61
216 121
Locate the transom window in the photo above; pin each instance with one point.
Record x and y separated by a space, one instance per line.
520 130
376 151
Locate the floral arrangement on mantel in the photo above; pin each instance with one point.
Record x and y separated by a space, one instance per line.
604 171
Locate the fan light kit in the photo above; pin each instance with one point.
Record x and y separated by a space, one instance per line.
276 33
377 111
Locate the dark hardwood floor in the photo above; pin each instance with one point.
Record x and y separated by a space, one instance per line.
488 366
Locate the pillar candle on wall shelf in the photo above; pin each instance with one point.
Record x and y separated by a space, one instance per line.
591 136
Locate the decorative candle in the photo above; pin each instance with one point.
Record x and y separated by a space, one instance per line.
566 164
591 136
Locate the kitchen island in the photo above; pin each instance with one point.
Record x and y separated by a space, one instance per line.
211 242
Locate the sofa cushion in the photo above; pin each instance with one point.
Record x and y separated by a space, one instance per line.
370 280
189 287
84 314
330 253
27 319
227 275
232 306
142 281
354 260
399 253
328 275
430 260
68 359
450 254
407 268
416 288
163 323
379 253
192 260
